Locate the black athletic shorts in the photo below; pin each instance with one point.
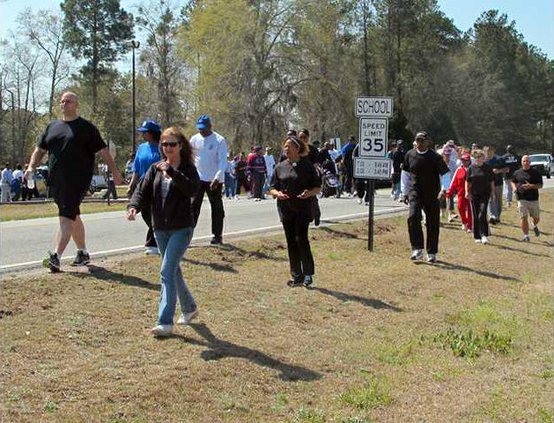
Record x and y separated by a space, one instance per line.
68 201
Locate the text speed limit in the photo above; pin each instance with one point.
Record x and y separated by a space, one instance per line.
373 139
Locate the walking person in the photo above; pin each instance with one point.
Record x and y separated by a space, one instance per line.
348 164
71 144
148 153
295 182
312 154
526 183
6 184
255 167
458 187
230 178
210 151
166 190
397 157
499 169
269 166
422 172
17 183
512 162
242 179
479 189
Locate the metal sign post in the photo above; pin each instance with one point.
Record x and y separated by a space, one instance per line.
372 163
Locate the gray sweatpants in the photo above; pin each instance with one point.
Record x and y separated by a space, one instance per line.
495 204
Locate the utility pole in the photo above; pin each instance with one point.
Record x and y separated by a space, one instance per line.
135 45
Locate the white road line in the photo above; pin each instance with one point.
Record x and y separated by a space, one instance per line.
200 238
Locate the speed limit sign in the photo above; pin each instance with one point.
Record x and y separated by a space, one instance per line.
374 137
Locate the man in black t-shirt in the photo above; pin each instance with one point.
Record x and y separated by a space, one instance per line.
421 186
526 183
71 144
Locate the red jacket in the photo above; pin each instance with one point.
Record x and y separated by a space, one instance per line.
458 183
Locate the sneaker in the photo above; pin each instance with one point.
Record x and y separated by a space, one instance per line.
478 241
537 231
431 258
186 318
152 251
295 282
484 240
308 280
416 255
52 262
452 217
360 201
216 240
162 330
464 227
81 259
237 197
469 231
526 238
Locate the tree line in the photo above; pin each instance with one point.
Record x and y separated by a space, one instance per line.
259 67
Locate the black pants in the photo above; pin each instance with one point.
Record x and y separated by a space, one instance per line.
348 176
147 217
216 204
300 254
479 205
432 215
111 191
242 181
362 189
258 180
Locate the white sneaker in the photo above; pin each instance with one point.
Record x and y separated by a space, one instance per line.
526 238
464 227
478 241
484 240
360 201
152 251
416 255
432 258
162 330
186 318
237 197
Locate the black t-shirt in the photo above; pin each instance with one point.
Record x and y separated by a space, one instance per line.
512 161
425 169
293 179
397 160
480 178
522 176
71 148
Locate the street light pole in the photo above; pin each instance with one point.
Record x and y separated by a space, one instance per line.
135 45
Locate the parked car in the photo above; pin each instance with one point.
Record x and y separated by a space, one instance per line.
98 183
544 163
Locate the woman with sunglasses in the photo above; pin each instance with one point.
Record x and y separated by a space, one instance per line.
166 190
295 181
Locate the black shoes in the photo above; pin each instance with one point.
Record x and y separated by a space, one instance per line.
296 282
81 259
216 240
52 262
537 231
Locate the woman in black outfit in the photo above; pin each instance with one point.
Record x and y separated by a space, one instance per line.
479 188
295 181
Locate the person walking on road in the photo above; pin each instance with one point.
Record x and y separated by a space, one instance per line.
479 188
295 182
6 183
512 162
421 176
147 153
458 187
166 191
526 183
499 169
71 144
210 151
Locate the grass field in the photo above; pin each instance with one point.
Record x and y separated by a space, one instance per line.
49 209
378 339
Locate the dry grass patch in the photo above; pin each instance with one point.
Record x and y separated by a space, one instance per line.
361 346
22 211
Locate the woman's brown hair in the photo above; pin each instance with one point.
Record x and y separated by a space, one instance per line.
186 149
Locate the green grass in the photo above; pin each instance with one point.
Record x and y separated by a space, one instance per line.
374 393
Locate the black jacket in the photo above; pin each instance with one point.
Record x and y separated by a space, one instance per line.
176 212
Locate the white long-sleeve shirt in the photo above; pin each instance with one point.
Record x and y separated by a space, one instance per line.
210 156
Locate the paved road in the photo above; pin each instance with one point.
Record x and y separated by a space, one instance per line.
24 243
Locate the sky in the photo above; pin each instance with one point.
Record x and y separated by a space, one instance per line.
534 18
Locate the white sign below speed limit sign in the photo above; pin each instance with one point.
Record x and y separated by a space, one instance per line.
374 137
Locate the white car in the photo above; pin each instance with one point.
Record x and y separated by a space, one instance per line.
544 163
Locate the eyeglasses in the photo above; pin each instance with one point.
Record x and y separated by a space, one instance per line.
169 144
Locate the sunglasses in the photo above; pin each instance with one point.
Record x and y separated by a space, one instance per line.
169 144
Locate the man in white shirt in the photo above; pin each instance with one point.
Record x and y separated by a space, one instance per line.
210 153
269 166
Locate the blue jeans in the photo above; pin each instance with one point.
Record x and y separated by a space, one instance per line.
172 245
230 185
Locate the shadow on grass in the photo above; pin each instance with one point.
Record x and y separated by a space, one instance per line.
214 266
98 272
218 349
519 250
335 232
368 302
451 266
256 254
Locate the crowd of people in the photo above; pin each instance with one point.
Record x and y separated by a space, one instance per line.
169 176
